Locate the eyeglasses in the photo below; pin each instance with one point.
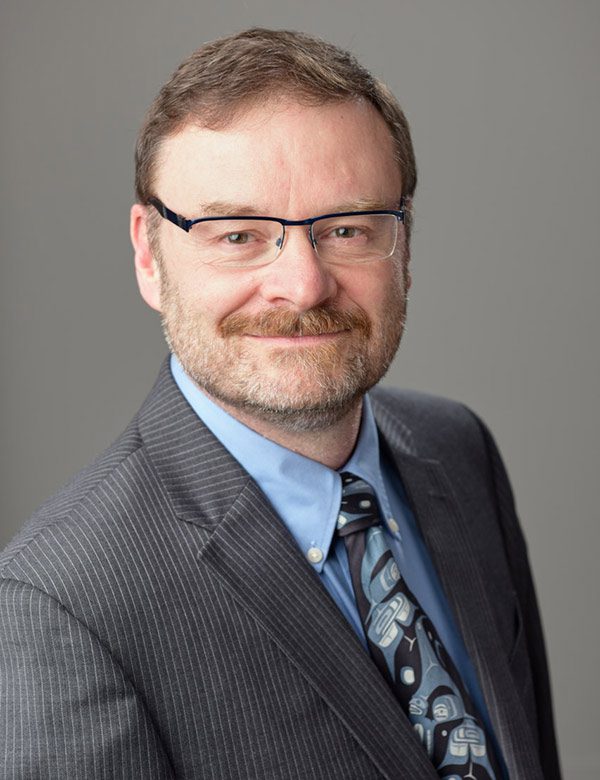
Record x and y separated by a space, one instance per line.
245 242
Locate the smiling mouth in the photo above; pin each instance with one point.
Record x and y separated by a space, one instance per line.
297 334
299 338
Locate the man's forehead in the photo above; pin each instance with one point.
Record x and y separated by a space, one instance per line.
343 148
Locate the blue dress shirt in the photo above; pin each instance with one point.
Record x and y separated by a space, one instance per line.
307 496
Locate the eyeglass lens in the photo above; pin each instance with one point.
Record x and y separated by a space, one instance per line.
245 242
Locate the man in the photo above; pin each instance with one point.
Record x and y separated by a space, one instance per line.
272 574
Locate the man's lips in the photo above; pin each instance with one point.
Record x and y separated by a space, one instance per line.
298 340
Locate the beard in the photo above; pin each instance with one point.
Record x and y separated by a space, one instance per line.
302 388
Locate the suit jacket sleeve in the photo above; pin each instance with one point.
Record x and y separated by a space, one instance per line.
68 710
530 627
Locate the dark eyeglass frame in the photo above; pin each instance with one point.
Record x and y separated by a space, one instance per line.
187 224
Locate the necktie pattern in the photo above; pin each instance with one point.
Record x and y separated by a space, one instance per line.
406 647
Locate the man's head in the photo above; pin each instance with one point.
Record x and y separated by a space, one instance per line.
278 124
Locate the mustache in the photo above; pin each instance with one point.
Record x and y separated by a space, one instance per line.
285 323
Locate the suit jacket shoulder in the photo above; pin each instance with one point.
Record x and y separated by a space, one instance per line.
434 426
63 506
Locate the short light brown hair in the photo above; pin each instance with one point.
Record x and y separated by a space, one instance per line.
224 77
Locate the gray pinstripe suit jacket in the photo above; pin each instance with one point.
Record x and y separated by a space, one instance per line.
157 620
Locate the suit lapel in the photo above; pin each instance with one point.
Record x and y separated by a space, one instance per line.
448 540
253 555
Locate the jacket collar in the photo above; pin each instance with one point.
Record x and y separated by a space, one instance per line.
201 478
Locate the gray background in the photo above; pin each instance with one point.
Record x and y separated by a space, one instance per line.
503 102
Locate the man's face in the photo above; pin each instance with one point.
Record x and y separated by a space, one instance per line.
296 342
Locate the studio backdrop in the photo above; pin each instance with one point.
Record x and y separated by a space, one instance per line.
503 101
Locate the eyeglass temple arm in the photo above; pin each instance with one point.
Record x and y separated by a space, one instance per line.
176 219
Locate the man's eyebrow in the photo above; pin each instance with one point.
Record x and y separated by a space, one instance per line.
221 208
365 204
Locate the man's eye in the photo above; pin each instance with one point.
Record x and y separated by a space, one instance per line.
238 239
346 231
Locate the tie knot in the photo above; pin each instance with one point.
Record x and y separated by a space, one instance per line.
359 509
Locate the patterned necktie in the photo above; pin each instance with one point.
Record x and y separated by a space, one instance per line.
406 647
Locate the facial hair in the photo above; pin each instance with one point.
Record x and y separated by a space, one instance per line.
304 388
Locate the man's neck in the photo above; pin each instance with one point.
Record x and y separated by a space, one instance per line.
331 446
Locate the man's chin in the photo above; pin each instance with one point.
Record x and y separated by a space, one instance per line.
298 409
313 416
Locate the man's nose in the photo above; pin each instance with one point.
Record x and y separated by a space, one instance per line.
298 276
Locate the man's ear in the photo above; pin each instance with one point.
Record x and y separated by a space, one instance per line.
146 268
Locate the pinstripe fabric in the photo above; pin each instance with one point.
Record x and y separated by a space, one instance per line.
157 620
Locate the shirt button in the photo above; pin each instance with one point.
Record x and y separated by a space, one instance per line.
393 525
341 521
314 555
